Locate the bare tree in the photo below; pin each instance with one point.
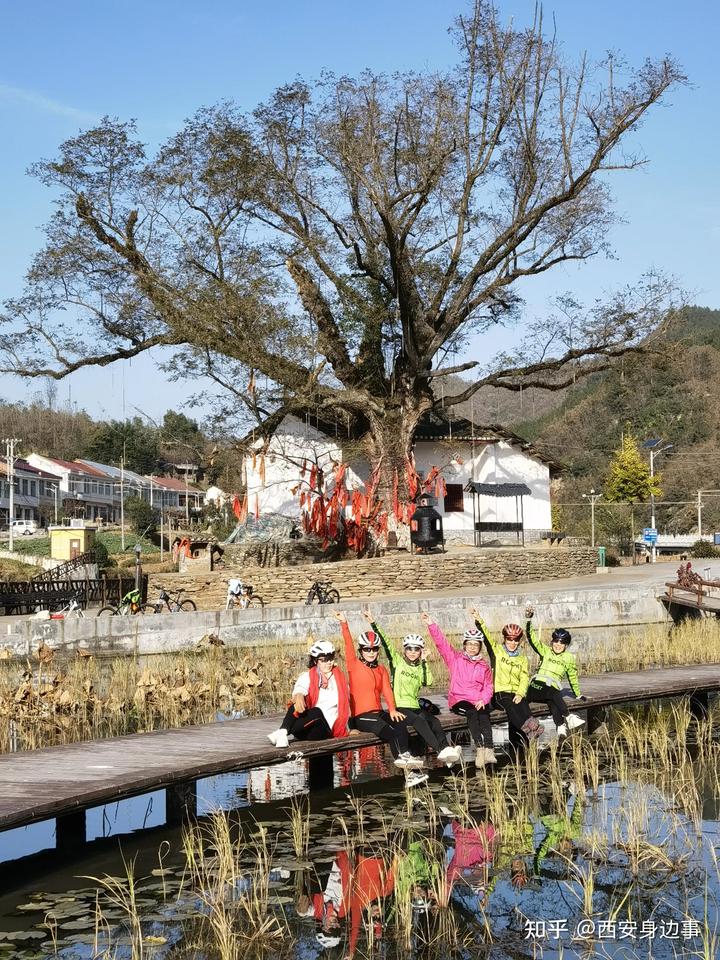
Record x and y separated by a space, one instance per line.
327 252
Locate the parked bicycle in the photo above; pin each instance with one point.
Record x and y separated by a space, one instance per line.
70 611
130 605
322 591
170 602
242 595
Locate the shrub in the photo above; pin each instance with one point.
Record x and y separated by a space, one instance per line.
102 557
140 515
703 548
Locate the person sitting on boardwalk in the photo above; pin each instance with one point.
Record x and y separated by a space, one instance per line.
369 682
556 663
320 706
511 677
471 686
409 673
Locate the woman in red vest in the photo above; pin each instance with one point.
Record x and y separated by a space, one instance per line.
320 706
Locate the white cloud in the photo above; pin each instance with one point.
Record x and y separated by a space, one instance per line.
46 104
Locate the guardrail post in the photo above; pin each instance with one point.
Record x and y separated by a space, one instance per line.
70 832
321 772
699 704
180 802
595 719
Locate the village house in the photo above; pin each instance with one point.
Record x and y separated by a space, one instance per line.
84 491
515 476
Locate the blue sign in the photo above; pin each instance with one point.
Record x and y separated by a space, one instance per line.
650 535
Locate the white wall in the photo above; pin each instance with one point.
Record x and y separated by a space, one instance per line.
293 442
499 462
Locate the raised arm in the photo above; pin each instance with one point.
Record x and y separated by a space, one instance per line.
439 639
387 646
491 645
350 654
540 648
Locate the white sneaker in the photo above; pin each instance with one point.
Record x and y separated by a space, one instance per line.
415 779
447 754
408 760
562 730
279 738
574 721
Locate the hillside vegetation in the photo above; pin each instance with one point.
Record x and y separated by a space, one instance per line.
674 396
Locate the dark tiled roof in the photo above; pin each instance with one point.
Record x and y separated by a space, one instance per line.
498 489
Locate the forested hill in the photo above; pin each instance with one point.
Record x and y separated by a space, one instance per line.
674 397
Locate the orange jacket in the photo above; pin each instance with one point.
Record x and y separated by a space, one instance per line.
372 880
367 684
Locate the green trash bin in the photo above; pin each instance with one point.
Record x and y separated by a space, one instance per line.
601 557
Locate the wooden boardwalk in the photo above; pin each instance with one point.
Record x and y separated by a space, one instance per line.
60 781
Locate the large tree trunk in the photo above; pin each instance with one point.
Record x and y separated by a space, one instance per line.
390 448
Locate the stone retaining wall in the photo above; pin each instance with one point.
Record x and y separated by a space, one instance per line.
393 573
593 612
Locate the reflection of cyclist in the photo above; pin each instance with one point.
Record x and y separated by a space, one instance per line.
372 881
320 707
469 856
410 673
561 832
328 902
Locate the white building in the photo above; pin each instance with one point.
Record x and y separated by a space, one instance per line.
84 491
463 452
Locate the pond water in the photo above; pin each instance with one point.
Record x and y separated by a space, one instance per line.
605 847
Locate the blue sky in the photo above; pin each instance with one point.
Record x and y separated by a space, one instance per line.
63 65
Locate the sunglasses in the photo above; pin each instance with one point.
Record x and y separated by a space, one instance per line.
512 639
414 649
325 656
369 649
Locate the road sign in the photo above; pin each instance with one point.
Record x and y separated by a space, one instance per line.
650 535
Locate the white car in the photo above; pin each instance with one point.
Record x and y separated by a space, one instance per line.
24 527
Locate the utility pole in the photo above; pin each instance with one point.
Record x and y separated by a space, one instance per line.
122 502
593 498
10 459
653 454
699 515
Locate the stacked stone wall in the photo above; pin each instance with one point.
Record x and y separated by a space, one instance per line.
382 576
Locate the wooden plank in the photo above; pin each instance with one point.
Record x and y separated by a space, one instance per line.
40 784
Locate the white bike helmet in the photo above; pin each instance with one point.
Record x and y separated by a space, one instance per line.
414 640
321 647
472 634
369 641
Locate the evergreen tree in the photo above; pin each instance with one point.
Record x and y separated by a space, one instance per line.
629 480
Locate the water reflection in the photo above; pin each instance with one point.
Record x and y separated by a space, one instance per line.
581 850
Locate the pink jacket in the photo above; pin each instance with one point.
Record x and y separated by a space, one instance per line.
473 849
469 679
